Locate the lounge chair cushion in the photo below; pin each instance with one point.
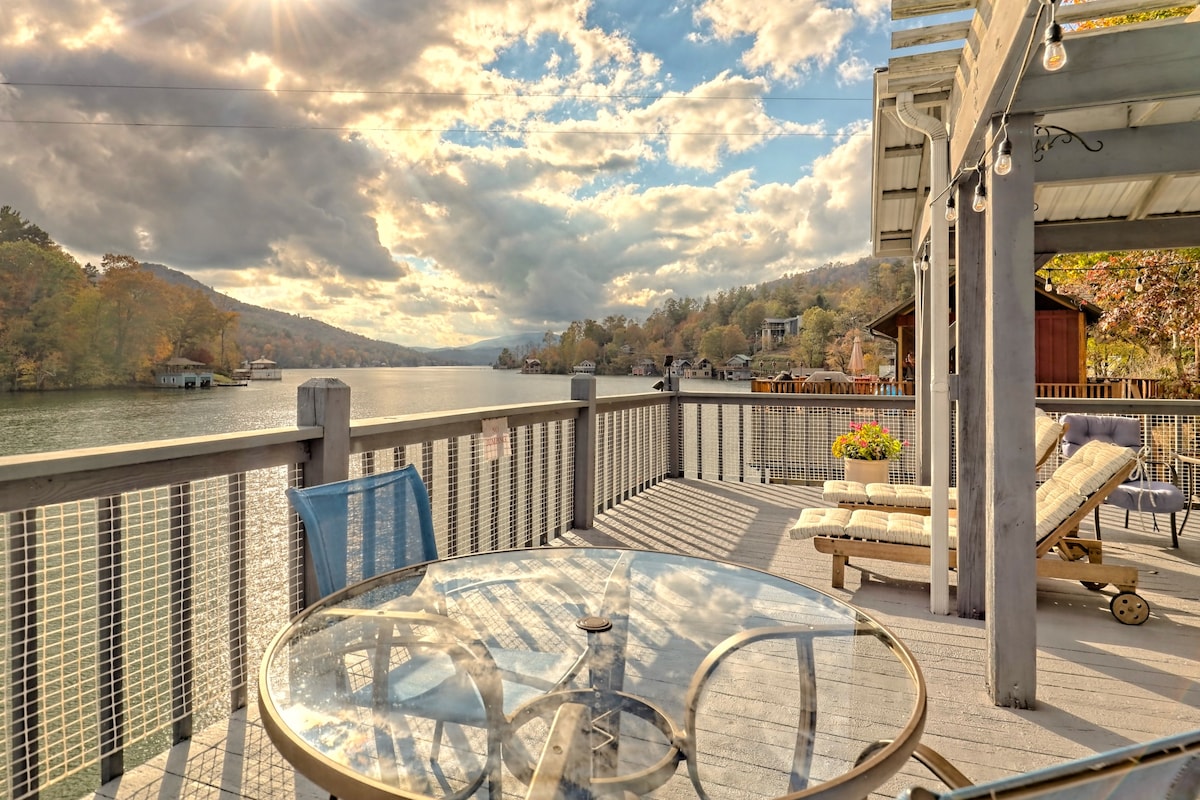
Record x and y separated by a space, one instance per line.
844 492
1092 465
905 495
895 527
1046 432
821 522
882 494
1056 500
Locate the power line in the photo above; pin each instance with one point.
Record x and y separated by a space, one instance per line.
426 93
359 129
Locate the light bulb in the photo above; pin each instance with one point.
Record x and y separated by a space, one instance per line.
1003 164
1054 54
951 211
1138 286
924 265
1049 285
979 202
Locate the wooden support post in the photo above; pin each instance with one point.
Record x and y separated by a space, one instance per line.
971 434
1011 571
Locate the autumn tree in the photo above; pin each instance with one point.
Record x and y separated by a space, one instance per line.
1146 297
38 287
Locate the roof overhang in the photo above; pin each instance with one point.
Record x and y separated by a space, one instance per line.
1116 165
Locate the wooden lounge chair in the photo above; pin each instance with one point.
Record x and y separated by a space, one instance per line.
917 499
1068 496
1167 768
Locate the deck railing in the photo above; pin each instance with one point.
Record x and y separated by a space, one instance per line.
143 582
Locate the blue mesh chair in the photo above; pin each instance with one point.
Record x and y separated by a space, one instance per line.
361 527
1164 769
1141 492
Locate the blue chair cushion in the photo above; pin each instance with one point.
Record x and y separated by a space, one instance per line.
1083 428
1153 497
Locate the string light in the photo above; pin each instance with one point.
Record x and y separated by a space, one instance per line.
1054 53
1003 164
1138 285
1049 285
951 211
979 201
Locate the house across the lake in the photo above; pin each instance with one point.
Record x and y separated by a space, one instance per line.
260 369
183 373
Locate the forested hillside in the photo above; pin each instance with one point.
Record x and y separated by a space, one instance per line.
63 325
834 302
299 342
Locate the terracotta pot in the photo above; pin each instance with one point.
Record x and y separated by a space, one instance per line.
867 471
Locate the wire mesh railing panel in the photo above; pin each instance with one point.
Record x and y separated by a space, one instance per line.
131 624
490 492
632 449
66 635
782 444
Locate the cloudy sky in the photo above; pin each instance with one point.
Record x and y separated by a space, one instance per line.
440 172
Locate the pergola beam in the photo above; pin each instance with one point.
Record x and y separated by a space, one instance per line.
993 77
1121 66
1126 153
1156 233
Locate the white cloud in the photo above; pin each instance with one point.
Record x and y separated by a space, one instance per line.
790 36
416 172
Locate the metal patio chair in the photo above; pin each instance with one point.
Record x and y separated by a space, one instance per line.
1142 491
1165 769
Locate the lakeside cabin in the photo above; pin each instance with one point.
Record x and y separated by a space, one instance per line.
183 373
260 369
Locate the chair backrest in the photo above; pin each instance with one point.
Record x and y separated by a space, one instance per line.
1079 484
361 527
1047 432
1084 428
1166 768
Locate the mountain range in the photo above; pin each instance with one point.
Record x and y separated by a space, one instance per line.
488 351
302 342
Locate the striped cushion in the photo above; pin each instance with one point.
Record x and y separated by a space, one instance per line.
844 492
1092 466
895 527
1056 500
820 522
1045 434
905 495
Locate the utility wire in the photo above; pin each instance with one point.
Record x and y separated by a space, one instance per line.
359 129
418 93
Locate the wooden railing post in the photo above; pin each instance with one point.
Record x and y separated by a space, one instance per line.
583 387
675 428
324 402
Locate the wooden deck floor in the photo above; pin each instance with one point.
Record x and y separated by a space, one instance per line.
1100 684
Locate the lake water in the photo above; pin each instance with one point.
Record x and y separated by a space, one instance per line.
34 422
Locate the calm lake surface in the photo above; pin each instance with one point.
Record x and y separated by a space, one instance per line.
33 422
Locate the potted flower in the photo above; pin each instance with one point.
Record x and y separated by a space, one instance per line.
867 450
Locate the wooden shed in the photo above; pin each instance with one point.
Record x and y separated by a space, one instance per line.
1060 339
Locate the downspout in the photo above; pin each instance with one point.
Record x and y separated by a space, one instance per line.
938 287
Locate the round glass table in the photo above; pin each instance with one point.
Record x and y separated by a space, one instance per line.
566 672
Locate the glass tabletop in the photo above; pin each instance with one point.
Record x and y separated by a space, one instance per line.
590 672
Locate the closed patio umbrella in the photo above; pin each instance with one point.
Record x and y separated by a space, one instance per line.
856 357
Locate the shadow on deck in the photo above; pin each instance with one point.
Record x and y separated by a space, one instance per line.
1100 684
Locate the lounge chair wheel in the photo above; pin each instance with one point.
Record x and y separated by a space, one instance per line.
1130 608
1093 585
